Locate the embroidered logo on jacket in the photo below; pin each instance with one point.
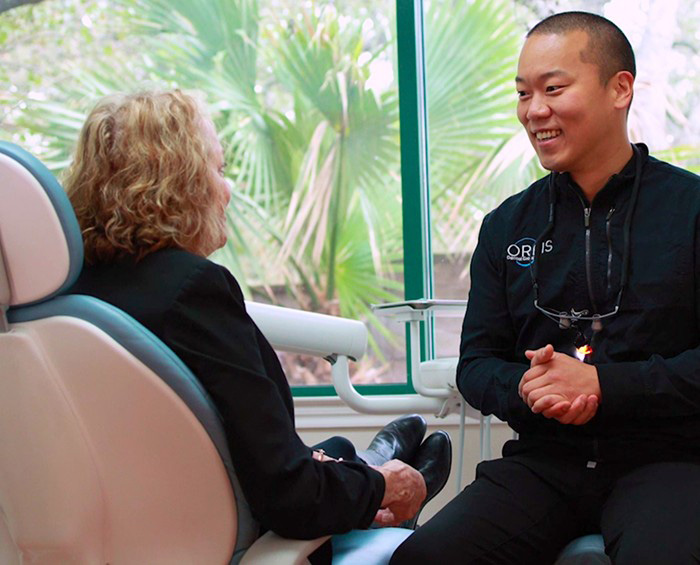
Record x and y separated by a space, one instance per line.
523 251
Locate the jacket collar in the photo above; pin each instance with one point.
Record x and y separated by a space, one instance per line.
616 182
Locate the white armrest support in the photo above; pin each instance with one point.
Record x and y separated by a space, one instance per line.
431 378
309 333
387 404
336 339
271 548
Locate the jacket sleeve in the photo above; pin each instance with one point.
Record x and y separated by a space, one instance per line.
661 386
487 376
288 491
655 388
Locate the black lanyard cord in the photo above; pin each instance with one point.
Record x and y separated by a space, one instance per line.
550 226
561 317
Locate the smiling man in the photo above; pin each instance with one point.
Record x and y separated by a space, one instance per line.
582 330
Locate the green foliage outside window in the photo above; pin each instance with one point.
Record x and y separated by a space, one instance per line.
304 94
311 146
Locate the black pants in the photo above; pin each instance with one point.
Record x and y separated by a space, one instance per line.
339 448
523 509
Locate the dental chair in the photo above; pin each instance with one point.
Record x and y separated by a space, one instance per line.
110 449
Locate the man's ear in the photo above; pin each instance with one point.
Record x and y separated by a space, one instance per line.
622 88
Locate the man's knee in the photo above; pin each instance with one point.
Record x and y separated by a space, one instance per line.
423 547
412 551
654 541
651 516
634 550
448 537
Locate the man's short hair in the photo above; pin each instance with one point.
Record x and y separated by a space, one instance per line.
607 46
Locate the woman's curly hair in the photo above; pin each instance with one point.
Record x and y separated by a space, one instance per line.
141 178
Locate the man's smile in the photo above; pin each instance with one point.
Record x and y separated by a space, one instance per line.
544 135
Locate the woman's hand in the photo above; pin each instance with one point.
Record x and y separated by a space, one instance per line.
403 494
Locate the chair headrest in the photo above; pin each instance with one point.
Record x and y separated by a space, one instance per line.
41 248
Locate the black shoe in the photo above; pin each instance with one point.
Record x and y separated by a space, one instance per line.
399 439
433 461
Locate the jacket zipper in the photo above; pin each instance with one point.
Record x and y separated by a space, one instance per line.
607 234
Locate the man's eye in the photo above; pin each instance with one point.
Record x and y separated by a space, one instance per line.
522 94
552 88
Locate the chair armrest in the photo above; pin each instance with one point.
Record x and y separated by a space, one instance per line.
440 373
309 333
336 339
271 548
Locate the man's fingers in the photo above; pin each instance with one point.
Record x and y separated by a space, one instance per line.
558 410
583 409
533 373
538 394
532 383
541 355
546 354
588 412
547 401
578 407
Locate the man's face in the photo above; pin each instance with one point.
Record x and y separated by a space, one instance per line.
568 114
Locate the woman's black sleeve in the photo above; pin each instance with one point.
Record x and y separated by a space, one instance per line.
287 490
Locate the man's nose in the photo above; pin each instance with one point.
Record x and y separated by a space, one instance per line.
538 108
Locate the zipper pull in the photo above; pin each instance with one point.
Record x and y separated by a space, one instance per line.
610 213
587 217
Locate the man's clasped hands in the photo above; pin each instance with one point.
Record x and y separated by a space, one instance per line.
559 386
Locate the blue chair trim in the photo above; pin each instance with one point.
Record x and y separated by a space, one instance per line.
586 550
371 547
153 353
61 204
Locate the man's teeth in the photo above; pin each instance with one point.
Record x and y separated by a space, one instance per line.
542 135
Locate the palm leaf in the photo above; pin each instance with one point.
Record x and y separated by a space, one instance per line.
477 155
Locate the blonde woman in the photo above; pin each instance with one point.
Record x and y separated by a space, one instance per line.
148 189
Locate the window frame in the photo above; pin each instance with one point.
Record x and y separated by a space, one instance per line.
415 189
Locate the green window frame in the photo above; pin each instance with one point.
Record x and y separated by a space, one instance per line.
415 188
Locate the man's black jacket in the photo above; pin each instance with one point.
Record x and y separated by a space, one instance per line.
647 356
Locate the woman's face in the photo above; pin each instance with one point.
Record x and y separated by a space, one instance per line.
220 185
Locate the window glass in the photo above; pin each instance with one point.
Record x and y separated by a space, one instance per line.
329 70
304 95
478 154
